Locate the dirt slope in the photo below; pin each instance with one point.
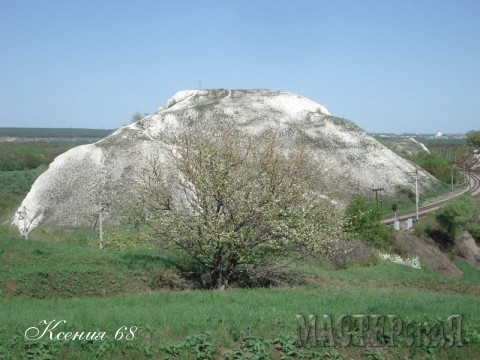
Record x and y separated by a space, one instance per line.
429 254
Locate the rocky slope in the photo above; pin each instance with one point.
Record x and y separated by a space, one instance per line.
70 192
406 146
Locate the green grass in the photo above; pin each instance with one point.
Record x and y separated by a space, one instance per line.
209 322
38 269
386 275
230 315
470 274
31 154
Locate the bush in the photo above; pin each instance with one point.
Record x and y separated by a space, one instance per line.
353 253
425 225
169 279
474 230
473 138
365 222
429 228
437 165
455 214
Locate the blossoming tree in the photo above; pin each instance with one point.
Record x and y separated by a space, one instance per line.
241 205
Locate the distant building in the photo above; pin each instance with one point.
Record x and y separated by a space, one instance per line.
439 134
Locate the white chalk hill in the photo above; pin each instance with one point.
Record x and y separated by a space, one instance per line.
70 191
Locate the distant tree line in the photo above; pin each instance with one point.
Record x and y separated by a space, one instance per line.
72 133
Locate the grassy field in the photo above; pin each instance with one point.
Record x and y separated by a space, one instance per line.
31 154
104 291
53 132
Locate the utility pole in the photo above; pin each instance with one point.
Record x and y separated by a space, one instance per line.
100 227
99 220
452 175
468 179
416 194
377 190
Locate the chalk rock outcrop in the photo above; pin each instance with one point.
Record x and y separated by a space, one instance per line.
84 178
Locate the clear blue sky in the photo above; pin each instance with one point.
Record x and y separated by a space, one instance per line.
389 66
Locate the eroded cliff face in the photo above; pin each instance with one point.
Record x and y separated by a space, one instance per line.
69 193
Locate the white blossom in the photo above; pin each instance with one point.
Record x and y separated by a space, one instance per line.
413 262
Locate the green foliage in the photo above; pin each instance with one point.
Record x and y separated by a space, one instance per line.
455 214
253 347
474 229
372 354
364 219
200 346
426 226
438 165
137 116
473 138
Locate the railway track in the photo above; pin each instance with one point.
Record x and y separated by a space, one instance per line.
474 190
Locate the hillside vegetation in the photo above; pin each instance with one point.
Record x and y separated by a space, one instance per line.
441 157
77 283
